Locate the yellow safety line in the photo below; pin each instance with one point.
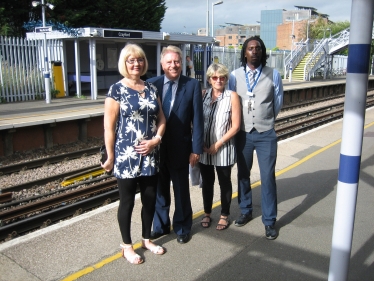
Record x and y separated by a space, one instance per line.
82 177
98 265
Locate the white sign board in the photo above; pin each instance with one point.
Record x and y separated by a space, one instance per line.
43 29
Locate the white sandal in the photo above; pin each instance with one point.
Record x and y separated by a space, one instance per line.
155 249
134 259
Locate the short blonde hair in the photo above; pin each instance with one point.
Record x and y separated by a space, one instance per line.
171 49
134 50
219 68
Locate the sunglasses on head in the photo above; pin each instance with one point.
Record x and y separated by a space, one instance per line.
221 78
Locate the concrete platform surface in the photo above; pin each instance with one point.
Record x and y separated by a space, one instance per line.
87 247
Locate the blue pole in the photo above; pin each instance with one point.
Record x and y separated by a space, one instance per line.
352 135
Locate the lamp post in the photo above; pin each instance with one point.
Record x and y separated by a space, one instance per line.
214 4
46 68
207 18
307 28
291 62
329 29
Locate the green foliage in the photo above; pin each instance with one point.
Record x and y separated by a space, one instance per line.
54 93
321 28
12 16
83 97
39 97
129 14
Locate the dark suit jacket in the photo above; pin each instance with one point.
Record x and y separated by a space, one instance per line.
179 141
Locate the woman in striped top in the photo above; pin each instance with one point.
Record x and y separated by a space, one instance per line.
221 122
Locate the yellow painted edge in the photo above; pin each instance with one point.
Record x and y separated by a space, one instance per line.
89 269
98 265
83 177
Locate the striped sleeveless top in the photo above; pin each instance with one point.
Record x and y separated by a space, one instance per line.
217 121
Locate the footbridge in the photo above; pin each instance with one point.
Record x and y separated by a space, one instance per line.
308 60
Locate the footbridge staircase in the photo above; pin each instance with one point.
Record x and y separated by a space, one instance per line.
308 60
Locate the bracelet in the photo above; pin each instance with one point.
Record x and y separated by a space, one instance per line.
222 141
158 136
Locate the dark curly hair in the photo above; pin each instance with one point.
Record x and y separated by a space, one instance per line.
243 59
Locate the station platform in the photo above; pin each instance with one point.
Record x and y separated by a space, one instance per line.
87 247
32 113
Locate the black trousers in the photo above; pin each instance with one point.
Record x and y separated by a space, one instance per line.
224 179
127 191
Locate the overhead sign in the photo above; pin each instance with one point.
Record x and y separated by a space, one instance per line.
122 34
43 29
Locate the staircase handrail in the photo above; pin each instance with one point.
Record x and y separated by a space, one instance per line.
316 57
339 41
297 55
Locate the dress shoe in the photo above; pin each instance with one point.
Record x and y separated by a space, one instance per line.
243 220
270 232
155 235
183 238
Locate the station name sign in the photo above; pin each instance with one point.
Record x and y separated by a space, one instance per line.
43 29
122 34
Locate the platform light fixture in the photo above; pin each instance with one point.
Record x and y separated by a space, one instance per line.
37 3
47 75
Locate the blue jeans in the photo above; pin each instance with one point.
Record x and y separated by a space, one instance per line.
265 144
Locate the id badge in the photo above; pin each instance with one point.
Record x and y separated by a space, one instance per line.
252 102
250 93
247 103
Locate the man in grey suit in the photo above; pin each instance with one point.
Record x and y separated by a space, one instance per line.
182 106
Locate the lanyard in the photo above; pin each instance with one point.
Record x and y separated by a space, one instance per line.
250 90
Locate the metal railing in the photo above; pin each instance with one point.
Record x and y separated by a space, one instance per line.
318 55
295 57
22 65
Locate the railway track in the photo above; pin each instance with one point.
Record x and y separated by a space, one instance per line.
45 211
15 168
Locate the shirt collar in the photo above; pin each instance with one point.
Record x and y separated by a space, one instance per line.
166 80
258 69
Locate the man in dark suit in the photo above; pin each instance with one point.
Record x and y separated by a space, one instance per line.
182 106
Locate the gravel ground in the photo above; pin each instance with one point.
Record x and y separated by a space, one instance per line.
34 154
52 169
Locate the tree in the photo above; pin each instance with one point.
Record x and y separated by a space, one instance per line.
321 28
122 14
13 14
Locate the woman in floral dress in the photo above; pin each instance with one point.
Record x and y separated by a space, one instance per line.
134 124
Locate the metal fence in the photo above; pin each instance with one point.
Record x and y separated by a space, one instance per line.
230 57
22 66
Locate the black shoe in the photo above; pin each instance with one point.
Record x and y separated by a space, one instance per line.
183 238
270 232
155 235
243 219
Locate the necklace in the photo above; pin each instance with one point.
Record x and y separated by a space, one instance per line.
142 93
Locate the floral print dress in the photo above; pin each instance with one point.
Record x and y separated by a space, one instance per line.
136 122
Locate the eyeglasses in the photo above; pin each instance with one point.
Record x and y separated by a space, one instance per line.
221 78
132 61
258 49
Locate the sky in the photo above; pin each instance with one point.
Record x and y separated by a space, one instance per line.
190 15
